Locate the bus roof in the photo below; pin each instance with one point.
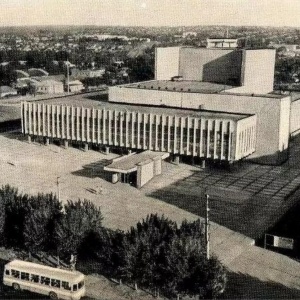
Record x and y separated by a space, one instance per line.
39 269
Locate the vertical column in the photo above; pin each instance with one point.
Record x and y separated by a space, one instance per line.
195 124
150 130
93 125
62 117
175 150
116 116
48 120
145 119
138 130
24 117
34 118
53 121
208 138
73 121
121 128
99 113
229 141
222 140
157 117
215 138
170 119
188 136
78 123
57 121
44 119
67 118
39 119
132 129
182 119
201 138
30 118
163 124
104 126
83 138
126 129
109 127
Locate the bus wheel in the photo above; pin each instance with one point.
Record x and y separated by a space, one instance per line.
53 295
16 287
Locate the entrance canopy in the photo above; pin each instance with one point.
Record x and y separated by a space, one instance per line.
129 163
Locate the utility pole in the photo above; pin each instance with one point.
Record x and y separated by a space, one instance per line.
207 226
58 191
68 79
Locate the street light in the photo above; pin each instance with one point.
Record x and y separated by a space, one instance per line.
58 191
207 226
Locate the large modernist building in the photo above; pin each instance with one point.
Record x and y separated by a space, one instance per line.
210 103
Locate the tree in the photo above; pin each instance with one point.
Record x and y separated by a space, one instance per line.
2 219
36 234
42 213
80 219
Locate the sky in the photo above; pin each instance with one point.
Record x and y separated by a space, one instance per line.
150 12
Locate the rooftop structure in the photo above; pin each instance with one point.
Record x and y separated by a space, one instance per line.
222 43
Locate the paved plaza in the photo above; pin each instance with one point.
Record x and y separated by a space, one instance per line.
248 198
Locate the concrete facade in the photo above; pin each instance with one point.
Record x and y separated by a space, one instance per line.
272 134
206 136
250 70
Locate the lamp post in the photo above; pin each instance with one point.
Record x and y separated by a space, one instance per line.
207 226
58 190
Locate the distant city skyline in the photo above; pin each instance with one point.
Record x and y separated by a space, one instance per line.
150 12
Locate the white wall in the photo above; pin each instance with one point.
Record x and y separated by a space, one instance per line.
271 131
257 72
210 65
145 172
166 63
295 117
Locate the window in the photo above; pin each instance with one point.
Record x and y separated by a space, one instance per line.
35 278
6 272
15 273
45 280
25 276
55 283
80 284
66 285
74 287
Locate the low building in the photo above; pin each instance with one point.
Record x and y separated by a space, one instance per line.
222 43
7 91
47 87
75 86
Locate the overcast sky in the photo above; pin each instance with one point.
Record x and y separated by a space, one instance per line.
150 12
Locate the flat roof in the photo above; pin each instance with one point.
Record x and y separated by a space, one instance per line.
128 163
189 86
90 100
181 86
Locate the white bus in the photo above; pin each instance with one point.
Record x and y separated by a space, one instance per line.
54 282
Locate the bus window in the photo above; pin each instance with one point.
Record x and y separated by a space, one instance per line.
55 283
15 273
25 276
66 285
74 287
35 278
80 284
45 280
7 272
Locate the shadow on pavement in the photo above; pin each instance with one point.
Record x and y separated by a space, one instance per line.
240 286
